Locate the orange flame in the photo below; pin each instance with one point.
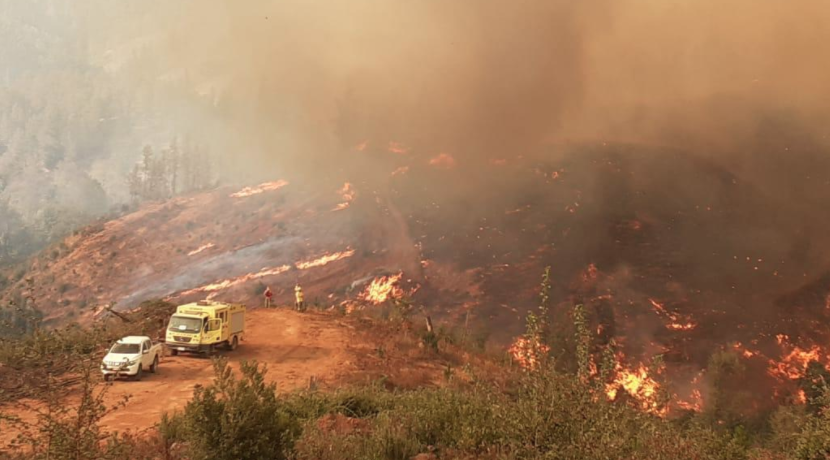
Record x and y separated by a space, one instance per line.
744 351
324 260
348 194
528 353
261 188
443 161
201 248
229 283
795 363
681 326
397 147
695 404
382 289
676 324
636 383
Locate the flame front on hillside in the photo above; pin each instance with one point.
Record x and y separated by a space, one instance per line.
528 353
443 160
348 194
201 248
261 188
229 283
382 289
794 363
397 147
324 260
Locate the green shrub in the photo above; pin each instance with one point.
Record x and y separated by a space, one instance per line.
69 431
236 419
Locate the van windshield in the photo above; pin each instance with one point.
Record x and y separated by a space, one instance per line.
125 348
182 324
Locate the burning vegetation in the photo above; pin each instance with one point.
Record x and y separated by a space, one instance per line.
324 260
229 283
347 193
261 188
383 289
201 249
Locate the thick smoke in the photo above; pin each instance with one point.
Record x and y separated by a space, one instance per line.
299 83
294 86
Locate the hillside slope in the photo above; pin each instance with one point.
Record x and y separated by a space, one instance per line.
672 255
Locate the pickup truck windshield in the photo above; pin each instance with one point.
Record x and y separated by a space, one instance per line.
181 324
125 348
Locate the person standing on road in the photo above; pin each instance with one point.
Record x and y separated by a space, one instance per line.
298 297
268 296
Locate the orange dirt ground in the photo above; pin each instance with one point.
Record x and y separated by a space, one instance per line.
294 346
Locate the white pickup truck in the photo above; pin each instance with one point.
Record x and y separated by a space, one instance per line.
131 356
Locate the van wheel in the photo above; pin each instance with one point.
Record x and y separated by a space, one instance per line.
234 343
138 373
155 366
174 352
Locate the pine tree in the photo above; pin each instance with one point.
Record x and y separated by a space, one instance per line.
146 171
173 166
135 183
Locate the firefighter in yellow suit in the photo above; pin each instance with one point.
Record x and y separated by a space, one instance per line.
298 295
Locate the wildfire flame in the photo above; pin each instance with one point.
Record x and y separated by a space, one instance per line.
793 365
528 353
397 147
382 289
201 248
324 260
744 351
348 194
676 324
681 326
261 188
638 384
695 404
443 160
229 283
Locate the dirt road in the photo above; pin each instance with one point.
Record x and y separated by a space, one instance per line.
294 346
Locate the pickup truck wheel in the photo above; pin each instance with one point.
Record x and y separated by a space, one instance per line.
174 352
234 343
138 373
108 377
155 366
